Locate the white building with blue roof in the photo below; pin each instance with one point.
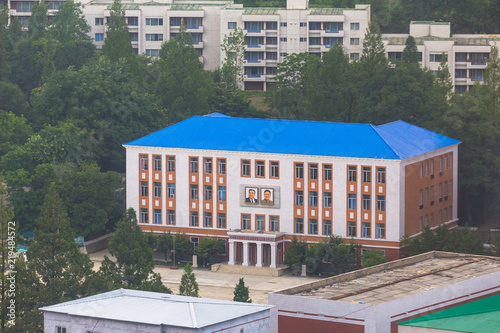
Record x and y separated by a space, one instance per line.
255 183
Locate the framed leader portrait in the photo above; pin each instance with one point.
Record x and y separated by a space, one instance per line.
267 196
251 195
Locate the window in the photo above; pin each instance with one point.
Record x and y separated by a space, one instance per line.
380 230
245 168
303 39
461 73
315 41
207 220
299 198
144 162
221 193
354 41
440 191
154 37
426 194
99 37
194 241
283 54
157 216
437 57
367 174
283 39
431 219
299 225
260 169
275 224
208 192
261 222
221 220
327 199
24 6
366 230
432 194
327 172
445 215
157 163
245 222
432 167
207 165
313 199
445 188
426 168
351 174
450 156
170 217
351 201
157 189
282 24
193 164
381 175
426 221
154 21
193 219
61 329
351 229
440 163
98 20
271 25
313 226
170 163
144 215
232 25
420 223
175 21
327 227
134 36
132 20
313 171
171 190
299 170
451 186
221 166
421 169
275 169
303 24
193 192
366 201
144 189
354 26
420 197
152 52
314 25
354 56
381 203
440 216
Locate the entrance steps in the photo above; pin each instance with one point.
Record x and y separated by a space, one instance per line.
250 270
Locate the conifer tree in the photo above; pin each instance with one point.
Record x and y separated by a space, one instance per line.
241 292
117 42
410 52
188 286
373 57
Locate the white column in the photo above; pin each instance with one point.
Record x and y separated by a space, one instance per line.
232 252
259 255
245 253
274 249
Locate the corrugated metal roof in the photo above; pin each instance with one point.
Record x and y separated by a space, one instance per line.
156 308
327 11
397 140
186 7
260 11
482 316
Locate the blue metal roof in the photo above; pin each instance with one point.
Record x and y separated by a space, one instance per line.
396 140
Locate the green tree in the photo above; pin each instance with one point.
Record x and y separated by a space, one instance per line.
241 292
183 87
188 286
71 32
296 253
410 53
373 57
372 258
56 270
165 243
134 258
231 71
13 99
293 77
209 247
4 45
14 132
117 42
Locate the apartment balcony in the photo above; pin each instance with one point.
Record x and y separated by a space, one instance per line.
476 64
194 28
271 46
270 62
272 33
251 32
270 77
316 33
326 47
315 47
198 45
255 47
332 33
255 62
254 77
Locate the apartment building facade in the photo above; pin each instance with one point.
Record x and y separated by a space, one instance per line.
256 183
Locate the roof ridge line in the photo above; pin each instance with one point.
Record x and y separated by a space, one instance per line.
193 315
375 128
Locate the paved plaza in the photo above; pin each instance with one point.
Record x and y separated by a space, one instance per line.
221 285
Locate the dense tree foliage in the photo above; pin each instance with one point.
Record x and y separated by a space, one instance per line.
241 292
341 255
372 257
208 248
188 286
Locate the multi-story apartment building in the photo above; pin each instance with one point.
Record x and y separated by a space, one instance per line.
466 54
255 183
273 33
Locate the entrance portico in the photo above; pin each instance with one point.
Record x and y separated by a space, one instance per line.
257 247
